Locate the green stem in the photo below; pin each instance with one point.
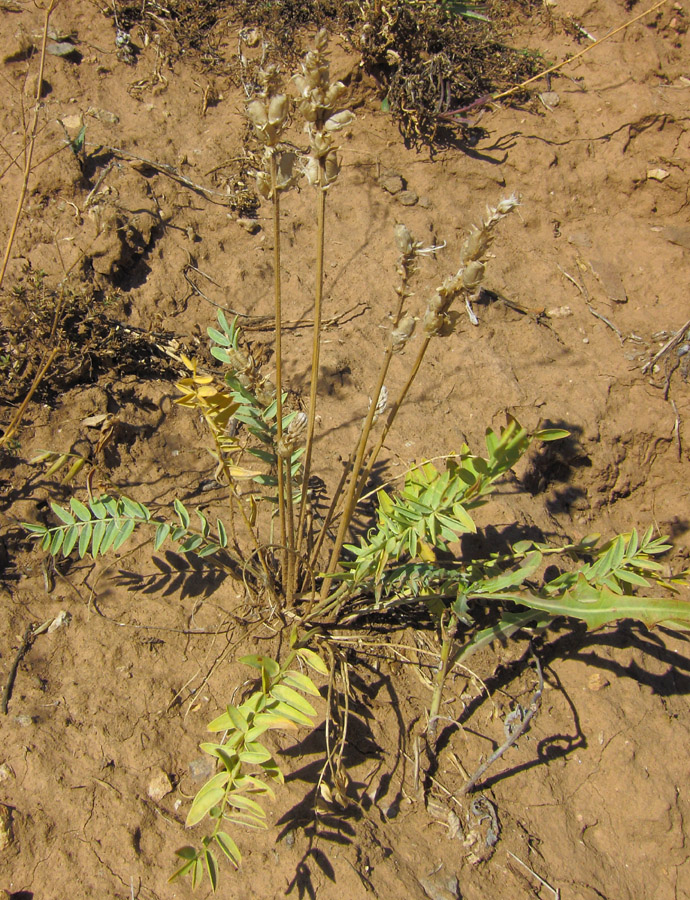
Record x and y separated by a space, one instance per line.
440 680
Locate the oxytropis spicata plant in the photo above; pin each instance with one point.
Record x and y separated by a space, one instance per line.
409 556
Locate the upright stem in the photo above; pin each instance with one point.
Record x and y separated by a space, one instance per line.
316 351
366 471
440 680
351 498
289 586
279 358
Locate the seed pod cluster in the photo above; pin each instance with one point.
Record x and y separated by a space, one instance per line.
318 103
468 279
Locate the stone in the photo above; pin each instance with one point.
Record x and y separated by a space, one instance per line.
610 279
441 886
391 182
657 174
6 836
408 198
250 225
202 768
159 785
103 115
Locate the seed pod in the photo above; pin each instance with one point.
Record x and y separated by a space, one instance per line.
321 40
476 245
473 275
434 322
298 426
331 168
278 110
301 84
339 120
257 114
403 239
401 335
334 93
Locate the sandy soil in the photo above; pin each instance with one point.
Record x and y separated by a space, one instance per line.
594 800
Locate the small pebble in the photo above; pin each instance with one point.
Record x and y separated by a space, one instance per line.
408 198
391 182
202 768
6 835
103 115
250 225
24 720
159 785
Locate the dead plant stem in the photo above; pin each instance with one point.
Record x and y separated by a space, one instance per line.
571 59
279 360
316 351
32 141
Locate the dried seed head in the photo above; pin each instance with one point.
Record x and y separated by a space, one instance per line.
507 204
473 275
401 335
321 40
435 323
292 437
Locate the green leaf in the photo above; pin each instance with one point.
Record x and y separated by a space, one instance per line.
551 434
246 804
203 802
192 543
287 695
313 660
134 509
84 539
212 869
81 511
219 338
255 756
197 873
125 531
98 534
189 854
262 662
301 682
56 543
181 512
291 712
70 540
162 533
98 509
111 531
222 534
229 848
62 514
